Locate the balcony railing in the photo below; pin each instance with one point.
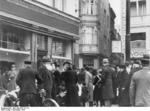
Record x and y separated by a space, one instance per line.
89 48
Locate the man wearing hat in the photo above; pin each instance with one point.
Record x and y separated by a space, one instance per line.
45 72
26 81
137 65
140 86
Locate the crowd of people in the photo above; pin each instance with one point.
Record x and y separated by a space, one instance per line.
125 85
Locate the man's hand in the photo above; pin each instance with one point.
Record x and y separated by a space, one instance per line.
62 94
42 92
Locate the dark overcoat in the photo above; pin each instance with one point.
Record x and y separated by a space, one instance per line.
97 93
47 78
70 79
26 81
56 83
107 87
124 81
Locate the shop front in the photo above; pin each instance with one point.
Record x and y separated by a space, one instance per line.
14 46
29 32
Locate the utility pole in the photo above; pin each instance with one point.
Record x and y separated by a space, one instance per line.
128 30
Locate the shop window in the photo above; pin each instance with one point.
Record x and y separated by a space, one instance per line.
13 38
42 42
58 48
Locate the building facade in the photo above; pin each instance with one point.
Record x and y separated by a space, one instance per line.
31 29
95 42
139 27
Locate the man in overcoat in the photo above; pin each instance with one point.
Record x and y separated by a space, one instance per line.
45 72
140 86
26 81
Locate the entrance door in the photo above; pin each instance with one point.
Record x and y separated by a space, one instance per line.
88 61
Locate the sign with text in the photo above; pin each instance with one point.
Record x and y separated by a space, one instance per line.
138 52
116 47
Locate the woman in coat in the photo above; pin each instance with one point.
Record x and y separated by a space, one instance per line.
97 94
69 77
12 78
89 84
123 81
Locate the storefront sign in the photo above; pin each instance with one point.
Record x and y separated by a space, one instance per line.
116 46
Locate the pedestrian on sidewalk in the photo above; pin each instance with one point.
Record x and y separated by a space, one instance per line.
124 85
45 72
140 86
69 77
107 87
12 78
89 84
26 81
98 88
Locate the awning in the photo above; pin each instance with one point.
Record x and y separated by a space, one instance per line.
59 57
15 51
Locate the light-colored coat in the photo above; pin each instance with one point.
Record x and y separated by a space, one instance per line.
140 88
89 84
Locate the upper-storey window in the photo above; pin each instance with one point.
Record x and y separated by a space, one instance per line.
89 35
138 8
89 7
68 6
47 2
133 8
142 7
58 4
